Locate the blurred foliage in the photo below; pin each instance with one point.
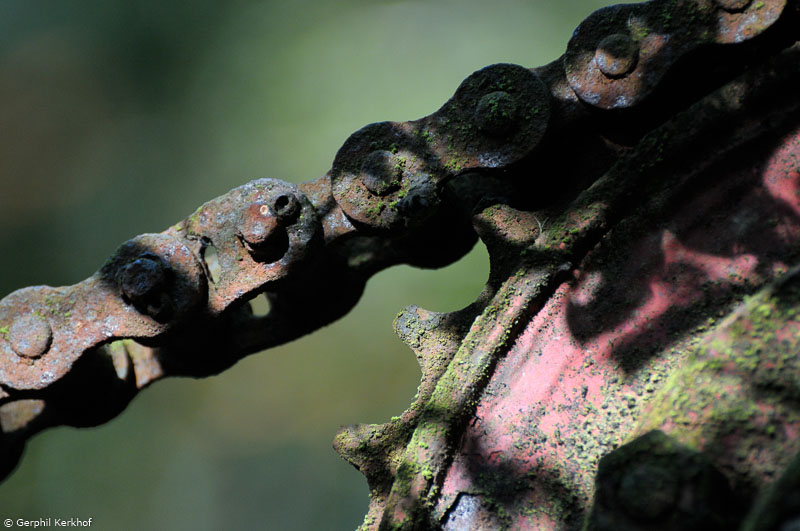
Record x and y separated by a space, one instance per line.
120 118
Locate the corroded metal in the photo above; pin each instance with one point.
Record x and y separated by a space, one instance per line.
261 231
97 310
497 116
621 53
614 335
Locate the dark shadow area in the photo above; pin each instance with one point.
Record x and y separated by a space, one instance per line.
703 223
655 483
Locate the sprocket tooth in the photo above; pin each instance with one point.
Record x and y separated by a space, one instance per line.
435 338
500 226
427 334
507 234
369 448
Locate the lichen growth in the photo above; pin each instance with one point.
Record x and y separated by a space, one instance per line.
739 385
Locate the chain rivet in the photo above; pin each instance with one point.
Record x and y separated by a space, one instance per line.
30 336
616 55
258 224
733 5
142 283
381 172
261 228
496 113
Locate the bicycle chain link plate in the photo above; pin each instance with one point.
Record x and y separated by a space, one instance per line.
591 383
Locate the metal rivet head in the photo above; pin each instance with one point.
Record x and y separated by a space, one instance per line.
381 172
616 55
733 5
30 336
647 491
261 228
258 224
142 283
496 113
142 277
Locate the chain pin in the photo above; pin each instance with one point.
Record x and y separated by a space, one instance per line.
616 55
30 336
257 226
381 172
496 113
142 283
261 227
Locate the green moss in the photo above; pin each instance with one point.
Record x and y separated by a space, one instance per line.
455 164
639 31
742 369
369 521
376 209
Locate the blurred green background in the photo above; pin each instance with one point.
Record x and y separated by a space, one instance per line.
119 118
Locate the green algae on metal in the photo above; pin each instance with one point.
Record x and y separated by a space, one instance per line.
456 393
736 397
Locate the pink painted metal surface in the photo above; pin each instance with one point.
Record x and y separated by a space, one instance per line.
576 383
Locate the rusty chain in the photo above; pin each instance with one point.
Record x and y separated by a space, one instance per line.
174 303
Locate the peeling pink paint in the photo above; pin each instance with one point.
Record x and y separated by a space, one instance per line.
553 391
